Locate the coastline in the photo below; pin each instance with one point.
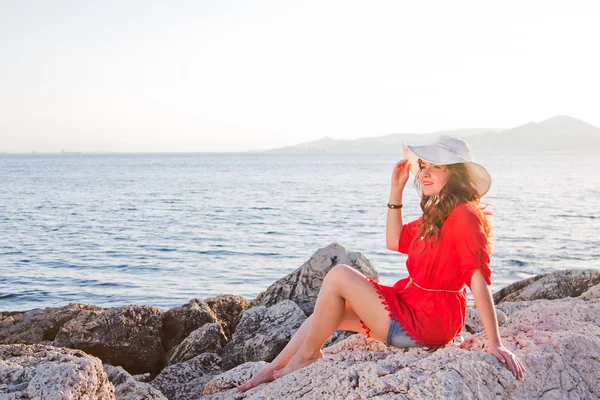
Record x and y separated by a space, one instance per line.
225 339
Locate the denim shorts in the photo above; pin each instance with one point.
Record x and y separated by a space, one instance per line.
398 337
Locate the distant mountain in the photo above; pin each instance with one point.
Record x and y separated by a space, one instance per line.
381 144
557 133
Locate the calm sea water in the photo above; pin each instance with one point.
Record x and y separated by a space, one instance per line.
162 229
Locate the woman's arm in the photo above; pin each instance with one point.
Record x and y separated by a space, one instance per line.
394 222
485 305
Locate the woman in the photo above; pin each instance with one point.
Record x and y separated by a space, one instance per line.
448 249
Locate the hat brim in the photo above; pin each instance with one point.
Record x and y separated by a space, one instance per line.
480 177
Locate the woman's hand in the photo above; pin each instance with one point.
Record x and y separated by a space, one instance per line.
400 174
511 361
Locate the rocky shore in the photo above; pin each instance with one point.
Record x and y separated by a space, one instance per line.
204 348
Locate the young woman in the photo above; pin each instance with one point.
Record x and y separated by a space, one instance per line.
448 249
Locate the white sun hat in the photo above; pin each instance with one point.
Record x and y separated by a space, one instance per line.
449 150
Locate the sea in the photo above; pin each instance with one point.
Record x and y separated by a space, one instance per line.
162 229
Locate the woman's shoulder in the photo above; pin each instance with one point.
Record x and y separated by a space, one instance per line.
465 213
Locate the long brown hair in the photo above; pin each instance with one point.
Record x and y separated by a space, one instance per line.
436 209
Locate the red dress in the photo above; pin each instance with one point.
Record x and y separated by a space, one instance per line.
434 318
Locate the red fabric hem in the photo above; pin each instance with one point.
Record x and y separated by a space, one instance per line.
392 315
366 328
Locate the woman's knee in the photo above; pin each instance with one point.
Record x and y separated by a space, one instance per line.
339 272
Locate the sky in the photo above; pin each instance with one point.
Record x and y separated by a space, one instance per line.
204 76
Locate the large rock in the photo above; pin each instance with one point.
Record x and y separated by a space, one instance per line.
179 322
558 342
185 381
229 309
262 333
302 286
234 377
591 293
128 336
554 285
39 325
127 388
207 339
473 322
50 373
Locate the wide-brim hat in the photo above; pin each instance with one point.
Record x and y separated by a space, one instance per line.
449 150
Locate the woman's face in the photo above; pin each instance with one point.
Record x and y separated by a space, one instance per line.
433 177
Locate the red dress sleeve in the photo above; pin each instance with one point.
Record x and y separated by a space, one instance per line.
409 231
471 244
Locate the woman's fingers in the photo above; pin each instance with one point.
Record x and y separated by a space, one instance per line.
513 367
513 363
521 369
510 358
400 165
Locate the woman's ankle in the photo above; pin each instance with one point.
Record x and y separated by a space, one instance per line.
310 354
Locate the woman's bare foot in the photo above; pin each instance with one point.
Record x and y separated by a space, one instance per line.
264 375
297 362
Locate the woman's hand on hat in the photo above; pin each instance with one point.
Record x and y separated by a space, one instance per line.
511 361
400 174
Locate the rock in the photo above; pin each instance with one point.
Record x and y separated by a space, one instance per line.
50 373
128 336
337 337
39 325
558 342
179 322
262 333
554 285
185 381
127 388
229 309
473 322
147 377
210 338
529 312
302 286
234 377
592 293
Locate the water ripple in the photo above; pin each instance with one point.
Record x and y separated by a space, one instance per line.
162 229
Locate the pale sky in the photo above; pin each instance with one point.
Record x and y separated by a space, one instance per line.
132 76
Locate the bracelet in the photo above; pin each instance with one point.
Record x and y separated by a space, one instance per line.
394 206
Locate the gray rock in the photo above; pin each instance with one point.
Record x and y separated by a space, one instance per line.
39 325
127 388
592 293
229 309
558 341
147 377
45 372
554 285
302 286
210 338
262 333
473 322
128 336
179 322
233 377
337 337
186 380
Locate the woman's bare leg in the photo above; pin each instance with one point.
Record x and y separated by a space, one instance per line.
266 374
342 284
350 322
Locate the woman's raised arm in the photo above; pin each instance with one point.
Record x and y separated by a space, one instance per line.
394 222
